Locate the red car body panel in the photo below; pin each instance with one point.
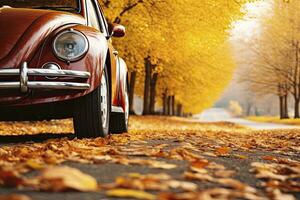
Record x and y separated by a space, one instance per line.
27 35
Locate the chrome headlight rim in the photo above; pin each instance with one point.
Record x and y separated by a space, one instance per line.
77 57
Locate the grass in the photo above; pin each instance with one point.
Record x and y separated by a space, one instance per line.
277 120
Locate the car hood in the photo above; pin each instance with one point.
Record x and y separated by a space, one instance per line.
23 31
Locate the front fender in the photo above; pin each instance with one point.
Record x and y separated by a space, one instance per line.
93 62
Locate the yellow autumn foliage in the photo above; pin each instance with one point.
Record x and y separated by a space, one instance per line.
185 39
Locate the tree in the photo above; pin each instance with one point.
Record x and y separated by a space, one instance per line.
275 66
176 46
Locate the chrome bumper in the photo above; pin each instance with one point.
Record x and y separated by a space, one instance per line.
24 84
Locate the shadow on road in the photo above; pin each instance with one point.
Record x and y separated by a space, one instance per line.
6 139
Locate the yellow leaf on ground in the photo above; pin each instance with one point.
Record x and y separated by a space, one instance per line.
34 164
66 178
242 157
136 194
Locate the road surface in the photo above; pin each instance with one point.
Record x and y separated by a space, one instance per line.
169 158
220 114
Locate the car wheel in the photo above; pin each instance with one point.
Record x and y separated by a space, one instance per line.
92 112
119 121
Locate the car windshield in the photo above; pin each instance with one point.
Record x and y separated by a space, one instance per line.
66 5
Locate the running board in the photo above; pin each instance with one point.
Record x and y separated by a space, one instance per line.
116 109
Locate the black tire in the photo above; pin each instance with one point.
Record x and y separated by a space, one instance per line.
117 124
88 114
119 121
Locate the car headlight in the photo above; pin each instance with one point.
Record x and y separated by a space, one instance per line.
70 45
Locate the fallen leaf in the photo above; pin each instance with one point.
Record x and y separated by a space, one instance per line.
224 173
150 163
242 157
178 196
161 165
210 154
34 164
223 151
198 176
184 154
199 164
276 194
66 178
160 176
235 184
187 186
210 194
269 158
270 175
267 171
126 193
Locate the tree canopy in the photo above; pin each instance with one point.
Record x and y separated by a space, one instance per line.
185 42
275 61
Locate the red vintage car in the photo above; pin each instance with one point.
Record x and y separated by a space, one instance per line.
57 61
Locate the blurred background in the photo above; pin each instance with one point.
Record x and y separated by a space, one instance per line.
185 57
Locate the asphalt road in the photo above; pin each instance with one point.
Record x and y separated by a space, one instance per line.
220 114
175 135
108 172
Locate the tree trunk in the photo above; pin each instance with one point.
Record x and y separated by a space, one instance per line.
153 93
281 114
297 85
146 110
179 110
131 91
169 105
173 105
285 107
297 115
165 103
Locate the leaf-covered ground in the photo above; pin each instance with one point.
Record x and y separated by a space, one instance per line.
276 120
161 158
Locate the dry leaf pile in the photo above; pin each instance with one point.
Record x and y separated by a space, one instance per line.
155 142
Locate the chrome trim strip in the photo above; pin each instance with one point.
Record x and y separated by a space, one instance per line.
58 85
46 85
58 73
9 85
24 84
46 72
9 72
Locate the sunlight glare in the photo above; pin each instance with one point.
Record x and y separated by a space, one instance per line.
250 24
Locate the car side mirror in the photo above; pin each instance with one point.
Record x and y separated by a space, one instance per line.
118 31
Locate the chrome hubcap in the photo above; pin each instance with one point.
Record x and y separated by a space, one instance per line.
104 101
